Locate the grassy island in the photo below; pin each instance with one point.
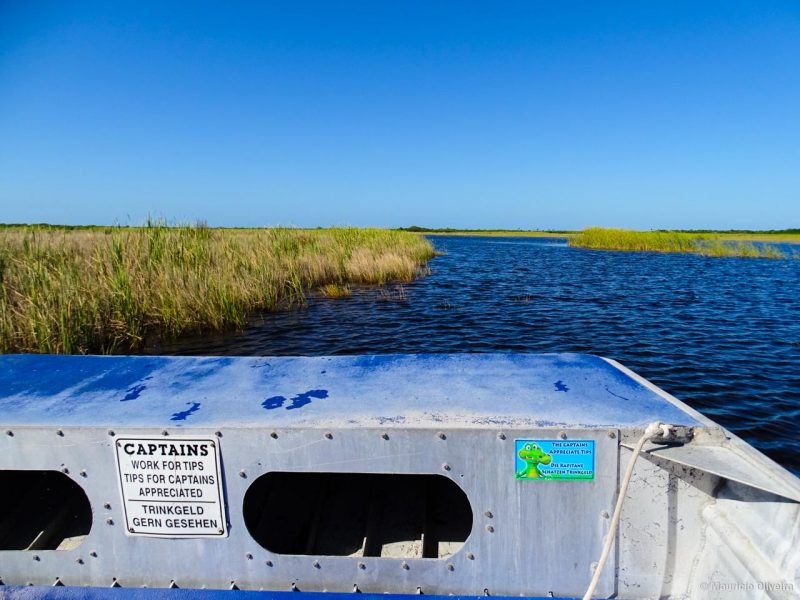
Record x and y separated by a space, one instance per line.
775 236
79 290
707 244
443 231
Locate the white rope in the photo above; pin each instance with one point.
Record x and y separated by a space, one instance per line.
652 430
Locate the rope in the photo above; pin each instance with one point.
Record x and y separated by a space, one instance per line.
652 430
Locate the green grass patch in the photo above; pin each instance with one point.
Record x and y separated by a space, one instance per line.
706 244
81 290
486 232
335 291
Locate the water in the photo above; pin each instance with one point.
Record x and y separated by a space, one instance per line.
721 334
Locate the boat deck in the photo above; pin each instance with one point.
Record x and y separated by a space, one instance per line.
391 391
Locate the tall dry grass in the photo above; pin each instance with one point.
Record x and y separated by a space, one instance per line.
107 290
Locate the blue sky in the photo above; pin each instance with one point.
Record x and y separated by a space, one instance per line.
464 114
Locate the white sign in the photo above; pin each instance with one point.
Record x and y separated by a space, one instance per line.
171 486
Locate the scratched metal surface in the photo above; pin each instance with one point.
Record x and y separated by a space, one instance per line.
60 412
89 593
391 391
540 537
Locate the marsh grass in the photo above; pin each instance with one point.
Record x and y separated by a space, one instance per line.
599 238
336 290
773 236
106 290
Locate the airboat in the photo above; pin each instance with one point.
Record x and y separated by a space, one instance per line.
469 475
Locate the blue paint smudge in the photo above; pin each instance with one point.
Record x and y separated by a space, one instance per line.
48 375
200 368
181 416
220 361
273 402
323 372
617 395
134 392
305 398
298 401
561 386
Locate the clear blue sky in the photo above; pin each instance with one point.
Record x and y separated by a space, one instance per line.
464 114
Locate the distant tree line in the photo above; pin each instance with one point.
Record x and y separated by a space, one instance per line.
420 229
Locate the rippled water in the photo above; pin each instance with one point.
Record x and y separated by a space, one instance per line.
721 334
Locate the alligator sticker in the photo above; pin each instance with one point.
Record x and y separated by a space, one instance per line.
554 460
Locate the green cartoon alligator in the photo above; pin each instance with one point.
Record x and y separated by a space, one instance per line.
533 457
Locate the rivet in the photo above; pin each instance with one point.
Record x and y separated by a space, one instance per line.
10 433
451 567
243 474
93 554
36 557
316 564
64 470
501 436
131 529
165 432
441 435
562 435
488 514
109 521
605 514
249 556
446 467
60 433
107 506
329 436
385 436
273 435
470 556
83 472
405 566
612 434
268 563
362 566
593 567
111 433
218 433
490 528
79 561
